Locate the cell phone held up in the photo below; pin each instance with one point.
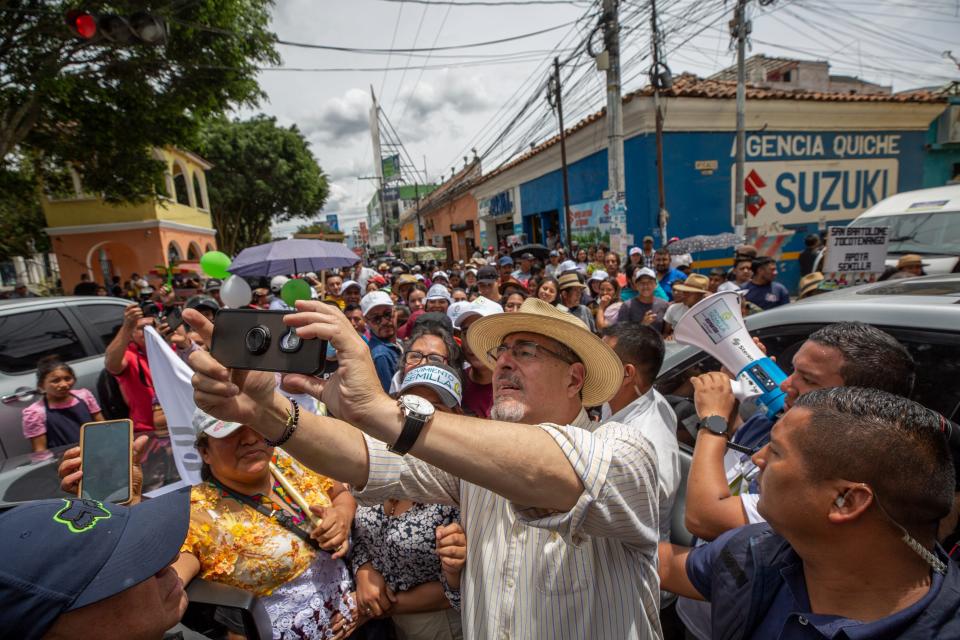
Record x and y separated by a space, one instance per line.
251 339
105 452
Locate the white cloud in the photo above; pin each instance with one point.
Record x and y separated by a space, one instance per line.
340 119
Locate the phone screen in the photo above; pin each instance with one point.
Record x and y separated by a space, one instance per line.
105 449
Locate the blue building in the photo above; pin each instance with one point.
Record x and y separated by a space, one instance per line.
813 159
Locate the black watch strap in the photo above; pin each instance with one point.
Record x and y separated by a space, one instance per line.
412 424
714 424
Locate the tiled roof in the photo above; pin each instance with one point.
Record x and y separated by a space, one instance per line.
764 64
690 86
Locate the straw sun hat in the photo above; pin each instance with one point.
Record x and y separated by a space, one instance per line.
603 367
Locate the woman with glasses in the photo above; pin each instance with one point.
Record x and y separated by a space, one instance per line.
430 343
407 556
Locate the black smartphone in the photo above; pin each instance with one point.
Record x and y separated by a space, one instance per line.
251 339
105 451
173 318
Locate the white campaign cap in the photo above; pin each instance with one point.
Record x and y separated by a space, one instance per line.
213 427
636 250
375 299
438 292
460 311
567 265
441 378
439 274
349 283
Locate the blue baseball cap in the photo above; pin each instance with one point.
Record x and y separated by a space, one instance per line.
64 554
505 261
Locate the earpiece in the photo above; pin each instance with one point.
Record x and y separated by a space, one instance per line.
839 501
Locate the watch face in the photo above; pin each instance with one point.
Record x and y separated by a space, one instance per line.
416 404
715 424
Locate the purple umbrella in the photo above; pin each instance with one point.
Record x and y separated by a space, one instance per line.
292 256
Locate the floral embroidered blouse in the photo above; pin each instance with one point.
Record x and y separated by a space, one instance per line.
238 546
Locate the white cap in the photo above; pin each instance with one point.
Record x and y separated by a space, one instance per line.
442 379
472 270
213 427
567 265
438 292
419 276
311 274
375 299
645 271
439 274
599 274
277 282
635 251
350 283
460 311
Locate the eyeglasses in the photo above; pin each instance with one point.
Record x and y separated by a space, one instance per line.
416 357
377 319
523 351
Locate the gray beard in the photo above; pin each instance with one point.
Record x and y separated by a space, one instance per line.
507 411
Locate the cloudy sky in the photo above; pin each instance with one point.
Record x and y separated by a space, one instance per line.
464 97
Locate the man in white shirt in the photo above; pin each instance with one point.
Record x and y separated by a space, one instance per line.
561 512
693 290
742 272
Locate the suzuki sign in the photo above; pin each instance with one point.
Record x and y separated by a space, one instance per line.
817 177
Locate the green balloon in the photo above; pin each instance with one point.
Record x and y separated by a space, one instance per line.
294 290
215 264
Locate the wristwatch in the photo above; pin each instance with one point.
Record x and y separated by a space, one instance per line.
416 413
714 424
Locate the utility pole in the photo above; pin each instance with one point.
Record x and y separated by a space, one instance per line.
740 29
611 39
416 191
656 80
555 98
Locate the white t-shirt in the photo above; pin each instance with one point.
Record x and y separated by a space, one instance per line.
729 285
674 312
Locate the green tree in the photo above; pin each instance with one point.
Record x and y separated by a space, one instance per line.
21 219
262 173
316 227
101 108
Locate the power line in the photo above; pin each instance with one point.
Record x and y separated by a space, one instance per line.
488 3
471 45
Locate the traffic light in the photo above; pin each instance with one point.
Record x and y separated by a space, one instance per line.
139 28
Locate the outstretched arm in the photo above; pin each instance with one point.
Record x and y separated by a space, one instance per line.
523 463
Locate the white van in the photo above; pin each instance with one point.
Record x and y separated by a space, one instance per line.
926 222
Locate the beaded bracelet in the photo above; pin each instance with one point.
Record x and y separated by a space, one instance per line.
293 421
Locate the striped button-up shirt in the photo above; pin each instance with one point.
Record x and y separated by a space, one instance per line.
587 573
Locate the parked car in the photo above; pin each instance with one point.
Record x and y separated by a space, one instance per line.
925 221
76 328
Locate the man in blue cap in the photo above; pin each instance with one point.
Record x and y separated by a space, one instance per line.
79 568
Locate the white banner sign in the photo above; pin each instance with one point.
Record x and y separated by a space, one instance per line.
856 250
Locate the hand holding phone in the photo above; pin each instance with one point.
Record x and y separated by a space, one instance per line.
250 339
105 451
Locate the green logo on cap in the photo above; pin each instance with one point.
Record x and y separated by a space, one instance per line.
81 515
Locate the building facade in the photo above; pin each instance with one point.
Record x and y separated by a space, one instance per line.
102 240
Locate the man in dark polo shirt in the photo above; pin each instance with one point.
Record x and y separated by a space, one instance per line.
645 308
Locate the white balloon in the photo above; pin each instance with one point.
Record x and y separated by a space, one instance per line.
235 292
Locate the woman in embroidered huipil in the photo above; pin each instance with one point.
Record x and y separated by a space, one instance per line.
233 542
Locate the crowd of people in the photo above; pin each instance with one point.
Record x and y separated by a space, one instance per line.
489 457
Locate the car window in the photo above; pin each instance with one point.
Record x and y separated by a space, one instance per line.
27 337
938 371
103 319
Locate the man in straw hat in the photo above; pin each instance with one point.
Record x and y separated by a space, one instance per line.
561 513
694 289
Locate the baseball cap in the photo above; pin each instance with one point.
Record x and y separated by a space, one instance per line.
213 284
460 311
349 283
375 299
526 255
439 274
213 427
487 274
648 238
198 301
277 282
553 253
644 272
567 265
64 554
599 274
505 261
438 292
441 378
635 251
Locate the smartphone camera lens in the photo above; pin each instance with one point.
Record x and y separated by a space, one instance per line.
290 342
257 340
